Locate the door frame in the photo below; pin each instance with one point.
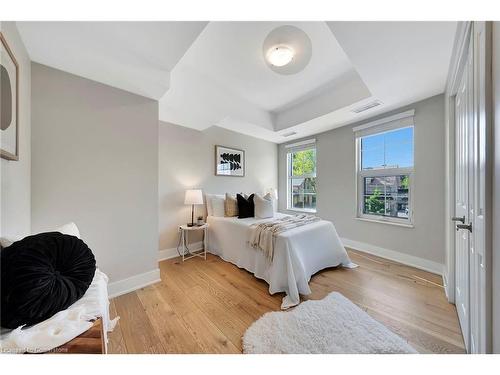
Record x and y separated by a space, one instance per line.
466 31
457 65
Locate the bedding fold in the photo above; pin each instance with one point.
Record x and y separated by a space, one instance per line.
263 235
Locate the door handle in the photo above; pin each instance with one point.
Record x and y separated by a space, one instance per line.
462 219
465 226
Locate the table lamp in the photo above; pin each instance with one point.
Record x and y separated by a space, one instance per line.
192 197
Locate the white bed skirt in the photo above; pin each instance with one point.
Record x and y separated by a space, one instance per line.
298 254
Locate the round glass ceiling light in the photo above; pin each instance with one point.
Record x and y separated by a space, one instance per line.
280 55
286 50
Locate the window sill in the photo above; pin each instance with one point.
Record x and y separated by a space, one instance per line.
385 222
301 210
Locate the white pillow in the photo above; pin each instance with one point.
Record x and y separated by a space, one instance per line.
7 241
263 206
69 228
208 199
217 207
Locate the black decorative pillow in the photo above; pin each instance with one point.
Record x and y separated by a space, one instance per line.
42 275
246 206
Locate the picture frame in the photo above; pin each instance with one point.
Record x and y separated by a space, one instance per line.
229 161
9 95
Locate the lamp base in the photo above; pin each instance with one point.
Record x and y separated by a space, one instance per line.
190 224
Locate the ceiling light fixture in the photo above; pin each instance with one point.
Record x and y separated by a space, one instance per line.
280 55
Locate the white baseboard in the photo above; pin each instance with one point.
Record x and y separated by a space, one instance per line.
445 283
130 284
172 253
409 260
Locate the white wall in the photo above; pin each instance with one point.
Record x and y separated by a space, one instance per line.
186 160
95 162
15 176
496 188
336 184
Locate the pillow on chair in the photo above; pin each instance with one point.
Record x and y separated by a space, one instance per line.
246 206
263 206
42 275
69 228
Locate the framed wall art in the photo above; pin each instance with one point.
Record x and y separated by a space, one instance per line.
9 103
229 161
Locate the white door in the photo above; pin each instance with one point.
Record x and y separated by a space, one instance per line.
479 261
471 193
463 145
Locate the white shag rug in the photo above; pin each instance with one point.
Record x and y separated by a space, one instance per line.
331 325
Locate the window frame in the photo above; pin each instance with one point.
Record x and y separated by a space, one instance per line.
383 172
290 177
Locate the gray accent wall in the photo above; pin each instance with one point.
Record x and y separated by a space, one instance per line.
15 176
95 162
187 161
336 184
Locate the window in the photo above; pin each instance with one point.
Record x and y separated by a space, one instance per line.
302 178
385 171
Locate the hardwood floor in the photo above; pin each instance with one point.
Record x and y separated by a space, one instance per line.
206 306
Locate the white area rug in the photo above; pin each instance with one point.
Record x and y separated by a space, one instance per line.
331 325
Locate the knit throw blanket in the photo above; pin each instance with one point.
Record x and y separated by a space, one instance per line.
263 235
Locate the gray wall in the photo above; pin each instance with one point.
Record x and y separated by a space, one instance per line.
186 160
336 182
15 176
95 162
496 188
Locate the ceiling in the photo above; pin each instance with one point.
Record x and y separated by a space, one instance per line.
231 54
133 56
206 74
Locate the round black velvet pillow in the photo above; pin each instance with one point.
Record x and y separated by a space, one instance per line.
42 275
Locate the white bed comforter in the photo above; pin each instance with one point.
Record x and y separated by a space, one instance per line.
298 254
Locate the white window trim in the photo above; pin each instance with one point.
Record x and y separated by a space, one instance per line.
398 121
299 146
395 120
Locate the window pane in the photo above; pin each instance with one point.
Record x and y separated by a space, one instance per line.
399 148
386 196
303 193
399 155
373 158
392 149
303 162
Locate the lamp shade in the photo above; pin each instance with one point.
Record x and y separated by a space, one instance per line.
273 192
194 196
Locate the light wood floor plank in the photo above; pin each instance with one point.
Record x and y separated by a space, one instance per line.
138 333
116 342
206 306
171 331
204 331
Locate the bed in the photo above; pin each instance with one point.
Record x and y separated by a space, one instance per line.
298 253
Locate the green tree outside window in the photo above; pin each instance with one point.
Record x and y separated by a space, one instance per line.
374 204
304 162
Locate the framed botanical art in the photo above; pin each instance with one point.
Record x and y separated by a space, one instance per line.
9 105
229 161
